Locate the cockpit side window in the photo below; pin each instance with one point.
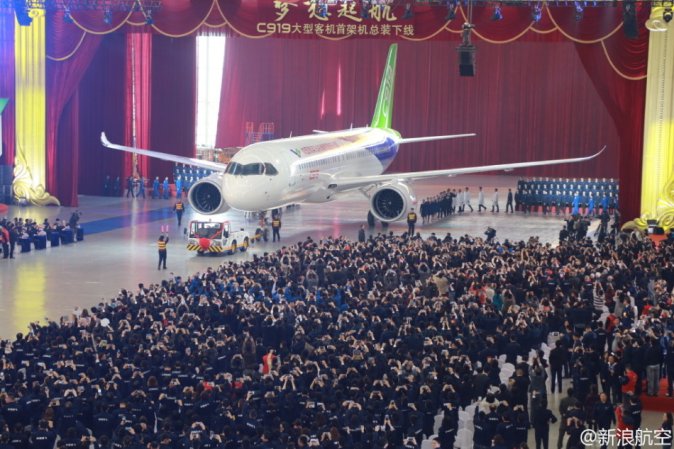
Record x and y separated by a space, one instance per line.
270 170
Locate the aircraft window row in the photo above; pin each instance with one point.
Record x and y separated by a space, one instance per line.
343 157
255 168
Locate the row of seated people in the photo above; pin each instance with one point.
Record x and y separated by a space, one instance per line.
569 184
28 233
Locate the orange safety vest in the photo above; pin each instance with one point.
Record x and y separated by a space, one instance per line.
179 207
161 244
411 216
276 224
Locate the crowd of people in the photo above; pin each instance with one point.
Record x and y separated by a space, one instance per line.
21 232
578 196
341 344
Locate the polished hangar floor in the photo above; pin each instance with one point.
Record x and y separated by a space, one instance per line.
121 252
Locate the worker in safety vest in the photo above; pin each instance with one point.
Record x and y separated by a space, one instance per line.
179 208
411 221
276 228
161 246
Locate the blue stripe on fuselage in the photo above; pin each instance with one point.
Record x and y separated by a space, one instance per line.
385 152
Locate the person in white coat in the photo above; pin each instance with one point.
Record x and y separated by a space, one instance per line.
494 201
480 200
466 199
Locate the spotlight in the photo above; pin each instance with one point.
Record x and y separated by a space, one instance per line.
537 12
579 11
67 18
498 14
148 19
107 17
451 11
667 15
630 26
408 12
363 10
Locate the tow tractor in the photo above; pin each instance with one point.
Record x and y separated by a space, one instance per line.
216 237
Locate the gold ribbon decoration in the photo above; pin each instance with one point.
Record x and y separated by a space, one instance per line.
24 188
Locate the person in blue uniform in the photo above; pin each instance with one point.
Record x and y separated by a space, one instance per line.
575 206
155 188
117 187
106 186
129 187
141 187
590 205
165 186
179 187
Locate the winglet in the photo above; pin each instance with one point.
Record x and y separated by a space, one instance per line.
383 111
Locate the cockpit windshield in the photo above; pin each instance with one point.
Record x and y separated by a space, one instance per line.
255 168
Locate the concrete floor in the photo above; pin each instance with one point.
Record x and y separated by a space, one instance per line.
52 282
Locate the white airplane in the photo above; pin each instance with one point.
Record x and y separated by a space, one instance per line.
317 168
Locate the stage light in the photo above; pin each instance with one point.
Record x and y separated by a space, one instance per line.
579 11
630 26
667 15
451 11
148 19
408 12
537 12
67 18
107 17
498 14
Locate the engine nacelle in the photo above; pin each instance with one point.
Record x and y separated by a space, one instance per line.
391 202
206 197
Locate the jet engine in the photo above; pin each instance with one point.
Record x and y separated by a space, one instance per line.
391 202
206 197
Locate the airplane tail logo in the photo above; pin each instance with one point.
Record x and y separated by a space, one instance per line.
383 112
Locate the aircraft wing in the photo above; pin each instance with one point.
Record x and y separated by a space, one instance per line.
166 157
432 138
342 184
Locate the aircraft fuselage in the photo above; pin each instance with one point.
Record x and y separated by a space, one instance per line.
271 174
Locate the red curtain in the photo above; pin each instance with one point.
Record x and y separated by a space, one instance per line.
7 87
545 109
173 100
63 78
626 101
102 108
68 148
138 99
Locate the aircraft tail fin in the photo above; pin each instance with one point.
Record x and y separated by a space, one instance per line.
383 112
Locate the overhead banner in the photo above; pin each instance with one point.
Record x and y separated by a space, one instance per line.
338 20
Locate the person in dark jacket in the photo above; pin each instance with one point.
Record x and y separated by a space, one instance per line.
541 424
557 361
603 414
